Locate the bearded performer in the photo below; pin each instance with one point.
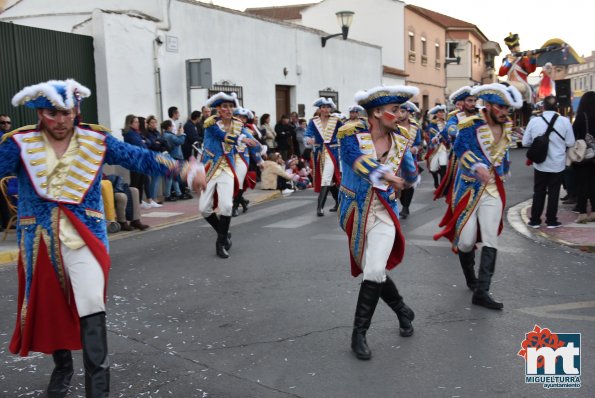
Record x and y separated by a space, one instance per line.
371 158
477 207
63 263
464 104
222 133
322 134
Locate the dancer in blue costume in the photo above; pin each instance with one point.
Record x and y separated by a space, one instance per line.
414 136
478 200
63 262
222 133
376 164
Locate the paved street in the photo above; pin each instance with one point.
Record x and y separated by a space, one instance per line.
275 319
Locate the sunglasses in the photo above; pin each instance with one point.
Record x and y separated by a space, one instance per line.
5 122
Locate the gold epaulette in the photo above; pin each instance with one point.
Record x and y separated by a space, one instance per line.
349 129
95 127
210 121
413 122
20 129
452 113
468 122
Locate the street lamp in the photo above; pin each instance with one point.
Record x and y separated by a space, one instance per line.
345 18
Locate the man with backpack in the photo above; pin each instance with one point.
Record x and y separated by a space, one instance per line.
547 137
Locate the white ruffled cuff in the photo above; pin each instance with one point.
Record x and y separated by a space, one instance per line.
193 170
377 176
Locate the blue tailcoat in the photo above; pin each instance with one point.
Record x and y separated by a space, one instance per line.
359 165
324 139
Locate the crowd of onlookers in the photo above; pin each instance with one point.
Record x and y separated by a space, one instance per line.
286 163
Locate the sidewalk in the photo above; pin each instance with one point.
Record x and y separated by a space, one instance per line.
157 218
577 236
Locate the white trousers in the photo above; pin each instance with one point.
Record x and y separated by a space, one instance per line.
328 170
487 214
223 184
241 171
380 239
440 158
86 278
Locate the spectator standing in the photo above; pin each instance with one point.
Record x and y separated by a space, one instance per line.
300 132
157 143
205 114
584 129
131 134
174 116
5 127
268 133
192 137
285 132
5 124
548 174
174 143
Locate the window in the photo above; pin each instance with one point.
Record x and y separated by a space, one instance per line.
227 87
330 93
411 47
451 46
424 46
437 55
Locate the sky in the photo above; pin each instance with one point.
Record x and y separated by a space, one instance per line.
534 21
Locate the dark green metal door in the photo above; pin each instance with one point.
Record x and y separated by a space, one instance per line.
31 55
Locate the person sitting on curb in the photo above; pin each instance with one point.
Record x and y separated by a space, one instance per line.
127 207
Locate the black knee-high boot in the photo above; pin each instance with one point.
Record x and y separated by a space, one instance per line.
94 339
213 220
369 293
243 202
335 192
390 295
62 374
406 199
435 177
236 204
467 261
222 237
484 278
442 173
321 201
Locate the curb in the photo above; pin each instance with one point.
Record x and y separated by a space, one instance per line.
517 218
11 256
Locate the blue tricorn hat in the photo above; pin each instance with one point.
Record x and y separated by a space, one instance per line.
355 108
410 107
500 94
460 94
324 101
384 95
243 112
436 109
221 98
53 94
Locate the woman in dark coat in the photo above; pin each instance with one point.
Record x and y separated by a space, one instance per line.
584 129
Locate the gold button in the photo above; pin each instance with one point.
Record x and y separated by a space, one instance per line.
80 189
44 185
29 151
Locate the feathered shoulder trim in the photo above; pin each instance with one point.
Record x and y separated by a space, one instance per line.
23 129
469 121
210 121
350 129
95 127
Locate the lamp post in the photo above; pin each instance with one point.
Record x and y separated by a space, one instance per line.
345 19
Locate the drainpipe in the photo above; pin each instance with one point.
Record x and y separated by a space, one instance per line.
165 25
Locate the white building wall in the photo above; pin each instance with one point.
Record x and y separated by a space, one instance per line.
246 50
378 22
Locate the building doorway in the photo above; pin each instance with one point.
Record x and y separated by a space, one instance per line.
283 101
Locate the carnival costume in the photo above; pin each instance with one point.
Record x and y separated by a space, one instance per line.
414 138
369 214
325 160
63 262
449 134
245 178
476 209
437 156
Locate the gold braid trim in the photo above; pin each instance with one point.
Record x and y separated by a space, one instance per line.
468 122
95 127
349 129
210 121
20 129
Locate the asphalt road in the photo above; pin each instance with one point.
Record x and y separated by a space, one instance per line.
275 319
